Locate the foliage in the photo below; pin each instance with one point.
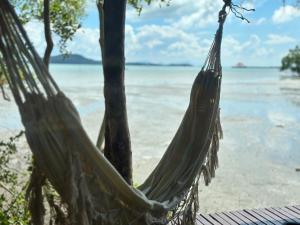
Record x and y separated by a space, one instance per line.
292 61
65 16
13 207
138 4
14 186
2 82
26 9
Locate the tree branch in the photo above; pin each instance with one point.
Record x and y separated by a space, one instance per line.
100 4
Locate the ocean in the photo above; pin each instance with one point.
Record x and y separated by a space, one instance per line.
260 115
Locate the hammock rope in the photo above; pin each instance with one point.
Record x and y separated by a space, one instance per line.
92 189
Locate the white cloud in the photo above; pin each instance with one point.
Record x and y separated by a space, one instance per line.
275 39
204 13
232 46
131 39
153 43
164 43
186 51
145 43
174 39
259 21
35 31
258 3
285 14
248 5
251 49
183 14
252 4
86 42
160 31
263 52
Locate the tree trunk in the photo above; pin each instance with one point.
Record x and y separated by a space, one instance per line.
47 31
117 147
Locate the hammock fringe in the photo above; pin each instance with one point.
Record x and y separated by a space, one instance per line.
34 196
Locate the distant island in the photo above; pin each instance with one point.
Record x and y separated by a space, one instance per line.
72 59
79 59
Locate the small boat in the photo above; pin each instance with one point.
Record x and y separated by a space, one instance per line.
240 65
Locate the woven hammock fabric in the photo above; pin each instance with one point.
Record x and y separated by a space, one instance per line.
93 190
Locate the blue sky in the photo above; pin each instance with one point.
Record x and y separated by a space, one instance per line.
183 31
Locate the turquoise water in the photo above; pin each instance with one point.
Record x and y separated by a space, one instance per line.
259 113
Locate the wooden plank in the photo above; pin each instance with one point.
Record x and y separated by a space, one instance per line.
254 218
261 217
202 221
294 214
198 222
240 218
280 215
234 218
288 214
228 219
297 206
272 215
219 219
267 216
293 209
210 219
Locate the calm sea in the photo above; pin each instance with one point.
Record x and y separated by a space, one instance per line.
260 112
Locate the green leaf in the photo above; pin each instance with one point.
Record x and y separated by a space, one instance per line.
292 61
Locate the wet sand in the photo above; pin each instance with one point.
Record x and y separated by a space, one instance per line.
261 121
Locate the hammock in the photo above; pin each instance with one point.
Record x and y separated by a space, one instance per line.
92 189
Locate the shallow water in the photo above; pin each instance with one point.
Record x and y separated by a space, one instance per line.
259 113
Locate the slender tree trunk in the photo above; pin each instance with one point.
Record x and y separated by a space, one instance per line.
101 136
117 147
47 31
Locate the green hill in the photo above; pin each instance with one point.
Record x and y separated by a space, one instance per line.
72 59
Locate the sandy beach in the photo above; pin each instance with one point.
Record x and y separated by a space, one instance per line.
260 116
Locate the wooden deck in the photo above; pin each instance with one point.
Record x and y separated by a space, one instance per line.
269 216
